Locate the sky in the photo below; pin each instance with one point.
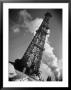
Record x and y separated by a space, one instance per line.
22 26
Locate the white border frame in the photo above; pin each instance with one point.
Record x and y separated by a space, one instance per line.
64 7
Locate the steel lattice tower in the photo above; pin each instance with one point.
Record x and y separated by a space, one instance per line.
30 62
33 55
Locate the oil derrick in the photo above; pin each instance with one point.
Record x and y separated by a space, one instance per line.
30 62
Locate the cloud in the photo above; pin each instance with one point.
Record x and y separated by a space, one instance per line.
16 30
34 25
51 61
31 24
25 15
46 71
26 22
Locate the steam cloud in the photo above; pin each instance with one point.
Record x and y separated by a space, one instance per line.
50 65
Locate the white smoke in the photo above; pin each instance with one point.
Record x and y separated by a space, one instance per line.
46 72
51 60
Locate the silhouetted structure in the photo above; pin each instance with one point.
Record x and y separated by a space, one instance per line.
58 78
30 62
49 78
